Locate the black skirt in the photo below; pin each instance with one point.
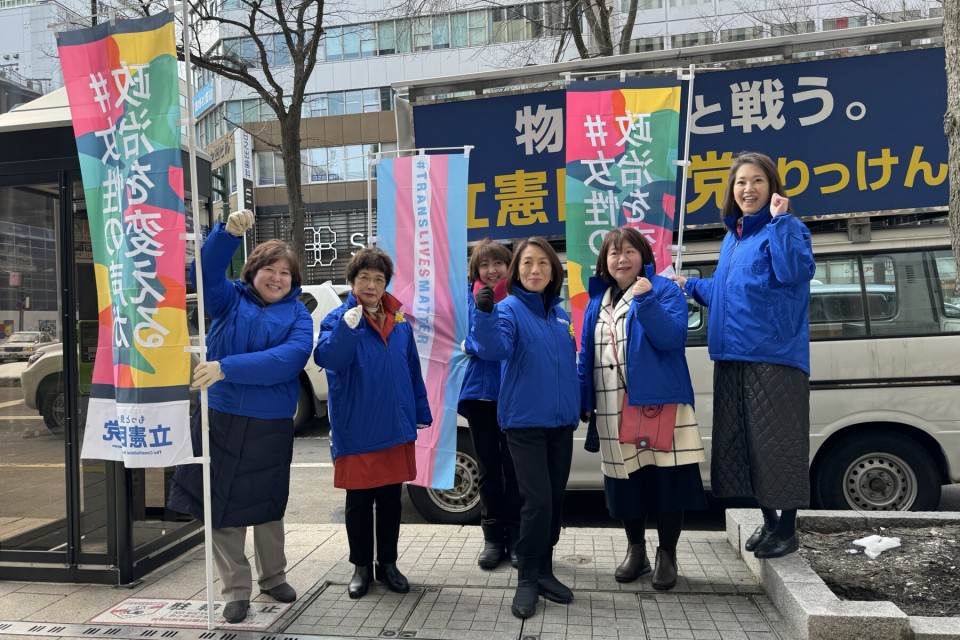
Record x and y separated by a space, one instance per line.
652 489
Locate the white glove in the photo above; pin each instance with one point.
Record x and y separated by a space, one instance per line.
352 317
424 426
238 222
463 347
206 373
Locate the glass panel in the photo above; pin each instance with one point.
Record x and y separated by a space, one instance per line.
334 44
404 35
353 102
371 100
356 161
281 54
422 34
234 112
516 23
335 164
368 40
351 43
251 110
32 480
441 32
335 103
478 28
498 25
836 301
265 175
902 299
317 165
458 29
696 315
278 168
534 20
315 106
386 35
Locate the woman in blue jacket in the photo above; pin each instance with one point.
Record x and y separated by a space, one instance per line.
377 400
538 406
499 497
759 340
259 339
644 317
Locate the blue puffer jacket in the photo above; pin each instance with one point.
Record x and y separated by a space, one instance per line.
261 349
655 365
376 392
539 386
481 381
758 298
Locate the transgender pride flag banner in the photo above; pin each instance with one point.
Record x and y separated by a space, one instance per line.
422 224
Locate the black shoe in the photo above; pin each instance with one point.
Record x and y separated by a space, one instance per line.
776 547
525 599
388 574
236 611
755 539
665 571
491 555
360 582
551 588
281 593
513 557
634 565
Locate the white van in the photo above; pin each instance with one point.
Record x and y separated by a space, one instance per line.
885 377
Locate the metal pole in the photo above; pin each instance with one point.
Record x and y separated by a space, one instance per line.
201 319
685 165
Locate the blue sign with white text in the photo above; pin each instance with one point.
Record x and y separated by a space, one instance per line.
857 134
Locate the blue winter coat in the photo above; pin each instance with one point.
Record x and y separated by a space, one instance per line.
376 393
758 297
481 381
538 385
655 366
261 348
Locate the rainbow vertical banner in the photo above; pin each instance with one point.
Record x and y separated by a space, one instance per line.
124 93
422 224
622 140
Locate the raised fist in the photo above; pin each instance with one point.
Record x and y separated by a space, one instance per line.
239 221
352 317
484 299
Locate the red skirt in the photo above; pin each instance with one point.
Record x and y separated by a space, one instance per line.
377 468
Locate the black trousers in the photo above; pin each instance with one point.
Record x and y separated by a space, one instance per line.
499 495
541 456
359 517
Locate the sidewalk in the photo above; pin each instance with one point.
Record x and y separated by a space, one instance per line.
717 596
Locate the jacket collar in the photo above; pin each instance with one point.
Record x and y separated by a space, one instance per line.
534 301
751 224
253 295
390 304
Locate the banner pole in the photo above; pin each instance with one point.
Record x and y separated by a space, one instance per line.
373 159
685 165
201 317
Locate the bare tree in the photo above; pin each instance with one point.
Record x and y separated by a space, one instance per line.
951 123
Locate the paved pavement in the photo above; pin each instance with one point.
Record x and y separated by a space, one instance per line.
717 597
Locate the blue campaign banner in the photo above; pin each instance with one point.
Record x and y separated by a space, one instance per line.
517 165
858 134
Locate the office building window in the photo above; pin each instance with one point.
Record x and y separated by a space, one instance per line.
741 34
646 44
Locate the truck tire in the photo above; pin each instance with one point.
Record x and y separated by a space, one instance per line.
460 505
883 470
53 412
304 410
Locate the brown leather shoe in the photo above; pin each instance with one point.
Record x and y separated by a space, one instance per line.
634 565
665 571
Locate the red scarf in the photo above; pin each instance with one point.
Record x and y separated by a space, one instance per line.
499 291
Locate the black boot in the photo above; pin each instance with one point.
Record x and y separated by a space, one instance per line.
665 572
770 523
389 574
492 553
360 582
528 592
634 565
551 588
513 534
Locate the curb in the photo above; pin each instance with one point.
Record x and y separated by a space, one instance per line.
808 605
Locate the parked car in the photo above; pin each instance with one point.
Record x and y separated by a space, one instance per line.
42 380
23 344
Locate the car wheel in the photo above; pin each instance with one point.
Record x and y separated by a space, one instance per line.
460 505
54 412
304 410
880 471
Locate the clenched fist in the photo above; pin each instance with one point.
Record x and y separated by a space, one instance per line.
484 299
352 317
238 222
207 373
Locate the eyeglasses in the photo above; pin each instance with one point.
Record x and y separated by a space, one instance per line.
380 281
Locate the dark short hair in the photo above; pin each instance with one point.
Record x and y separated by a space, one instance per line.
555 285
371 259
265 254
615 239
768 167
486 249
